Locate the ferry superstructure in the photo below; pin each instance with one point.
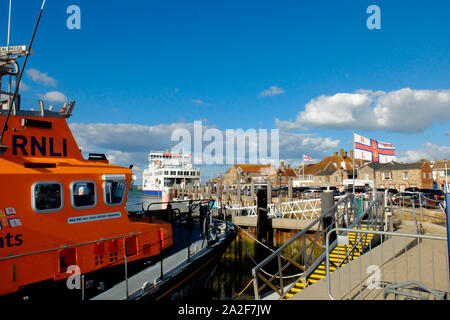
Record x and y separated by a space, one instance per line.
166 169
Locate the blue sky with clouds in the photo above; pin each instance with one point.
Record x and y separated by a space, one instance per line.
310 68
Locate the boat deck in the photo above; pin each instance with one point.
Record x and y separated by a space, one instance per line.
147 281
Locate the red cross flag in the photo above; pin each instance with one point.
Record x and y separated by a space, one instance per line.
372 150
306 158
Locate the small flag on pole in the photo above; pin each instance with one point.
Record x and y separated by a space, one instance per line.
372 150
306 158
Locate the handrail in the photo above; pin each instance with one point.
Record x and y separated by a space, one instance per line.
69 246
277 254
341 214
367 232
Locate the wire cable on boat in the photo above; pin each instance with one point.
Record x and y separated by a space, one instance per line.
268 274
5 125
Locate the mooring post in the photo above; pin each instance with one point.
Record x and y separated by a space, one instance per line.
326 202
269 192
261 223
290 190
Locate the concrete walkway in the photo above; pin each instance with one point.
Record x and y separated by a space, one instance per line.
397 260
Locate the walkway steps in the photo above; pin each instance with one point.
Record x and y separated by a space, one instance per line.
338 258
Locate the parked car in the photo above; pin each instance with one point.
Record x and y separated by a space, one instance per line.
432 198
406 199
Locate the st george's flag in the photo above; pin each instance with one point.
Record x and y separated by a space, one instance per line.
372 150
306 158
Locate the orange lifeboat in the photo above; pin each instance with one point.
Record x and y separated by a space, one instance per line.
61 214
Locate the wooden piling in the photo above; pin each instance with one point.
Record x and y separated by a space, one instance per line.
326 202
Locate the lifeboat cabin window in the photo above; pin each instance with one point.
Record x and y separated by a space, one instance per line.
83 194
114 192
47 197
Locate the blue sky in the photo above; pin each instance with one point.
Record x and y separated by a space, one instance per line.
153 63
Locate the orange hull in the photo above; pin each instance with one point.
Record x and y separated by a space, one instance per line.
38 244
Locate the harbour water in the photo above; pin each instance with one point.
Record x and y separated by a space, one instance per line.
233 274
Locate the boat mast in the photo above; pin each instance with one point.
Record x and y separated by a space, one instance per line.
9 27
2 147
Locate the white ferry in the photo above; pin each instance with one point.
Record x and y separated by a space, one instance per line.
167 169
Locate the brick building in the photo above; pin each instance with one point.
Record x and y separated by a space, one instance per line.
330 171
398 175
282 175
248 173
439 174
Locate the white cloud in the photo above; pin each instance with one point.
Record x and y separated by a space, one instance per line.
197 101
428 151
403 110
41 77
54 96
294 145
126 144
272 91
23 86
126 137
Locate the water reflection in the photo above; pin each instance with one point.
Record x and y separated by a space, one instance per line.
233 276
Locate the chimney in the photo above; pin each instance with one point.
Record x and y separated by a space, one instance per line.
289 166
336 153
282 164
345 154
341 152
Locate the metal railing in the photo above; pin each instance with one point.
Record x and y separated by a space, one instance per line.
415 267
418 202
312 252
306 209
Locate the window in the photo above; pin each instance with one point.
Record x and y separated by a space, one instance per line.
83 194
320 179
47 197
424 175
336 179
114 192
173 173
180 173
386 175
405 175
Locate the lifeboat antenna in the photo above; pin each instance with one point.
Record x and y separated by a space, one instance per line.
2 147
9 27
